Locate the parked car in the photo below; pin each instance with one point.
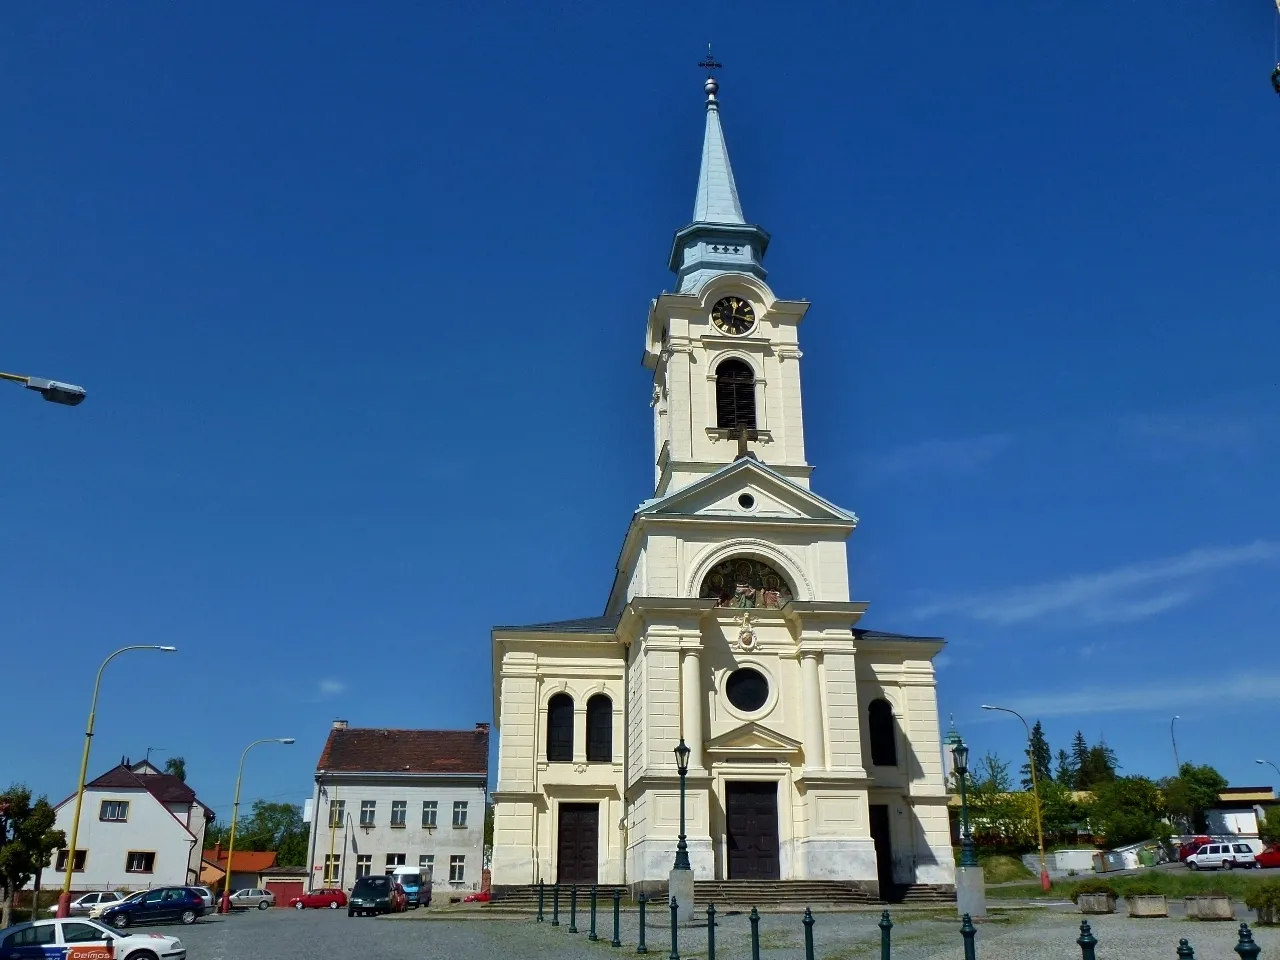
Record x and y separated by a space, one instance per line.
53 938
333 899
1191 846
374 895
87 901
399 899
95 913
252 897
206 895
481 897
1269 857
172 904
1212 856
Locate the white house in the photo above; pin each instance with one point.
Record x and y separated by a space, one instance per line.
138 829
388 798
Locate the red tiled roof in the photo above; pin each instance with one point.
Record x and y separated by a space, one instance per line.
163 786
245 861
362 750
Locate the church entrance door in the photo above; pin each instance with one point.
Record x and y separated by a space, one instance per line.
878 815
751 810
577 846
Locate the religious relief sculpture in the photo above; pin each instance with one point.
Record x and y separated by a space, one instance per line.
745 584
746 634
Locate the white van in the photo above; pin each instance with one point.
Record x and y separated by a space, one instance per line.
1225 855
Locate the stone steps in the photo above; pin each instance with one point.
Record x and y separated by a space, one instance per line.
737 893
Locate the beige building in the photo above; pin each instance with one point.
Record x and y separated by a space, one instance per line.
814 743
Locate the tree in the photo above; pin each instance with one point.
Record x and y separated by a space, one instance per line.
1038 752
177 767
1193 791
1066 772
1079 757
991 775
27 840
1269 826
268 826
1060 812
1128 810
1098 768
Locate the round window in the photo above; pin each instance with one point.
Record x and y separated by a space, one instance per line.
746 501
747 689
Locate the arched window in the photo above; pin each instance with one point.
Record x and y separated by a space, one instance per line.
735 395
881 732
599 729
560 729
741 582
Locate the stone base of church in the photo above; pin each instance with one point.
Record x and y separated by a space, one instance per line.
650 862
835 858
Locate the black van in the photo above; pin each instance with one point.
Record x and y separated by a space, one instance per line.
370 895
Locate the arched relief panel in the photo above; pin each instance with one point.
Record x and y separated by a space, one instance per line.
783 563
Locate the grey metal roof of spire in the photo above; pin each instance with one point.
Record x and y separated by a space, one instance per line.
717 200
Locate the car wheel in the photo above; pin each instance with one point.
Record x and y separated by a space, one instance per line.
262 904
1228 864
120 921
188 917
333 904
1191 865
351 913
298 905
142 955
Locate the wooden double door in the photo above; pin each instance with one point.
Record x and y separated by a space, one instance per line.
578 844
751 814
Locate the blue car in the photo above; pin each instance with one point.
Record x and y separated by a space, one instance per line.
161 905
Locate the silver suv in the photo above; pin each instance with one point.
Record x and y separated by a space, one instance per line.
1225 855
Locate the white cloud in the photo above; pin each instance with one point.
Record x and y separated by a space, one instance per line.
964 455
1123 594
1162 695
331 688
1172 437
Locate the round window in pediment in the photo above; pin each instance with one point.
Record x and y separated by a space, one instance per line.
745 583
747 689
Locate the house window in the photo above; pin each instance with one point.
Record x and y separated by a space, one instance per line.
735 395
114 810
79 861
429 813
332 867
368 809
457 868
459 813
394 860
560 729
364 865
880 730
399 809
337 813
139 861
427 865
599 729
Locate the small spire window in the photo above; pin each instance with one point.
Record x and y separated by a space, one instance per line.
735 395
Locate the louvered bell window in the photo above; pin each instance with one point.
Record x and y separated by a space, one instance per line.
735 395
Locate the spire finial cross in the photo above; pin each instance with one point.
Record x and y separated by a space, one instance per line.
711 64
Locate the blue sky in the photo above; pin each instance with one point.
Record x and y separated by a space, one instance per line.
359 298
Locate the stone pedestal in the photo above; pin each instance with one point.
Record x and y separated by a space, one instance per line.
680 887
971 892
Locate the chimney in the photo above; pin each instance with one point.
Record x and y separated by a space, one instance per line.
339 724
217 851
482 728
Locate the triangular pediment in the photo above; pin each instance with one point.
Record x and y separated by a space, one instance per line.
771 497
753 739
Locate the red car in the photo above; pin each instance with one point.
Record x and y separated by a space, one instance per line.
1191 846
1269 857
399 899
333 899
482 897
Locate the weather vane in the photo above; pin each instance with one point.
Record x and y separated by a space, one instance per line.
711 64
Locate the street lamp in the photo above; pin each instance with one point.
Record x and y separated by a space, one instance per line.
1270 764
960 757
682 767
64 899
225 906
1177 764
65 393
1035 790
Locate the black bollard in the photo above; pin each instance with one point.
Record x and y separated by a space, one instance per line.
1087 941
555 905
1184 950
617 918
885 926
640 947
1247 949
808 933
675 948
754 917
592 934
573 909
542 892
967 931
711 931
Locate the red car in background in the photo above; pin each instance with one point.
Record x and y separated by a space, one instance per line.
1269 857
399 899
332 899
1191 846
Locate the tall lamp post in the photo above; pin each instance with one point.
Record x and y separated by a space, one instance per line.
225 905
1177 764
682 767
1035 790
1270 764
960 756
67 394
64 899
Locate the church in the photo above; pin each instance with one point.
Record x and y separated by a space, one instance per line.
814 746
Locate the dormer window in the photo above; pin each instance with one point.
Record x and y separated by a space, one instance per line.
735 395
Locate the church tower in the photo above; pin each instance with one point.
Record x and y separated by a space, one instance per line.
813 743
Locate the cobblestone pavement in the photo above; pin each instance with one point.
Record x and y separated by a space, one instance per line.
1034 934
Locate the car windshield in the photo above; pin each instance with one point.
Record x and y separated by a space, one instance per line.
372 885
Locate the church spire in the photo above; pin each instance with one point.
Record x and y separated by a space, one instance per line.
719 240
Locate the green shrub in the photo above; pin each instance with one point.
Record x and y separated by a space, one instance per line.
1265 898
1143 887
1092 885
1001 869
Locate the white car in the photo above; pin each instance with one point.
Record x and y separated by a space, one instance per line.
102 905
253 897
1225 855
87 901
43 938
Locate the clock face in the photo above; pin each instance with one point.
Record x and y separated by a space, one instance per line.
733 315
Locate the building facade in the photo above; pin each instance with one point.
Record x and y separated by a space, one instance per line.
138 829
389 798
815 748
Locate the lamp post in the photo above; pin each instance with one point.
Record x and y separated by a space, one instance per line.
1270 764
67 394
960 756
1035 790
1177 765
64 899
682 767
225 905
